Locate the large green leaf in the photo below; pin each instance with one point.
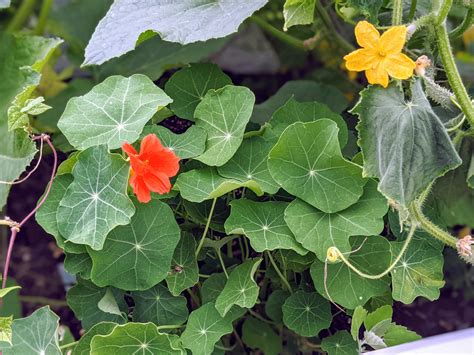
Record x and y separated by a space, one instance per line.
83 347
298 12
240 289
135 338
259 335
113 112
250 163
118 32
36 334
184 272
306 313
346 287
223 113
186 145
397 334
340 343
404 143
206 184
138 255
307 162
317 231
96 201
159 306
188 87
263 224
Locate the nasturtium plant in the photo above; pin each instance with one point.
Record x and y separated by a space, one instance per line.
222 181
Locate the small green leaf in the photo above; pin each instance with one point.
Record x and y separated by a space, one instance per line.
184 271
397 334
298 12
380 314
138 255
159 306
307 162
358 318
250 163
83 347
263 224
134 338
119 106
5 291
108 304
212 287
306 313
6 330
206 184
96 201
189 144
340 343
274 304
223 113
188 87
317 231
240 289
404 143
80 264
259 335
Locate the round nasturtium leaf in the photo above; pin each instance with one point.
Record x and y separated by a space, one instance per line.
307 162
138 255
83 347
340 343
306 313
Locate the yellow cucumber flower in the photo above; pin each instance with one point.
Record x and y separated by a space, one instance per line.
380 56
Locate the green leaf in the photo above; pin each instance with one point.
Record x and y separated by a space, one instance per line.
118 32
84 297
298 12
397 334
19 113
418 273
204 329
35 334
120 108
293 111
212 287
380 314
274 304
11 304
83 347
259 335
184 272
206 184
96 201
317 231
301 90
80 264
346 287
199 212
250 163
223 113
5 291
240 289
138 255
340 343
134 338
263 224
404 143
108 304
159 306
306 313
6 329
307 162
296 262
189 144
188 87
358 318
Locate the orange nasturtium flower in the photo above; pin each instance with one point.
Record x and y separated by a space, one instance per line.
380 56
151 169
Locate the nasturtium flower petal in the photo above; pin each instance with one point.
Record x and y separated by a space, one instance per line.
393 40
399 66
366 34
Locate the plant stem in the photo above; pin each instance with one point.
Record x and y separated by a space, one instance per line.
328 23
283 278
22 14
208 222
65 346
173 326
219 256
275 32
397 14
443 12
411 14
43 300
465 24
43 17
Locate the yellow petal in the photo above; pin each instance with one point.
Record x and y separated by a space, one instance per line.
366 34
393 40
361 59
399 66
377 75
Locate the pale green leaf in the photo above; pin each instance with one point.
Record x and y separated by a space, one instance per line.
6 330
113 112
184 271
206 184
250 163
298 12
223 114
358 318
263 224
159 306
380 314
108 303
83 347
306 313
96 201
138 255
397 334
404 143
259 335
340 343
5 291
317 231
274 304
346 287
307 162
188 87
118 32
